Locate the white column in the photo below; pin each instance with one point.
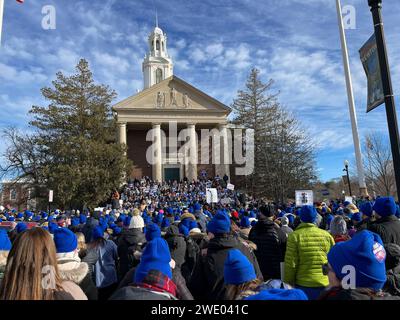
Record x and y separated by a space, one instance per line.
350 96
222 167
192 161
157 166
122 132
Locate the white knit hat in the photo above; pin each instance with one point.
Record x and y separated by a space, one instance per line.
136 222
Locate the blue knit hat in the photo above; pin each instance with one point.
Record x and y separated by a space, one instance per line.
184 230
74 221
65 240
21 227
197 207
152 232
165 223
36 218
365 252
127 221
219 224
385 206
366 209
279 294
253 223
117 231
156 256
329 219
193 224
308 214
20 215
52 227
237 268
356 217
5 243
98 233
245 222
11 218
82 219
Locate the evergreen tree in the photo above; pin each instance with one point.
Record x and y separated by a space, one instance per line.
283 153
75 140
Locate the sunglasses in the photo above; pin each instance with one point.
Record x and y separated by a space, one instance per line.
325 269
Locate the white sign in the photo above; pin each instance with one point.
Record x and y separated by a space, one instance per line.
230 186
304 198
51 195
349 199
212 195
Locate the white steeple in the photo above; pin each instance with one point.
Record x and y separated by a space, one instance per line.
157 64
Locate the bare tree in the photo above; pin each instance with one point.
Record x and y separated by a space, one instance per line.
378 165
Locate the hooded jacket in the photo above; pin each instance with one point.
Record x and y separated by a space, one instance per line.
207 282
131 240
392 285
72 269
306 252
270 242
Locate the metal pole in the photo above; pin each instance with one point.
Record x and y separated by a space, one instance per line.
352 108
1 17
348 180
376 6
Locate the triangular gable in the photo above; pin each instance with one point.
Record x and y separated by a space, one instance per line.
172 94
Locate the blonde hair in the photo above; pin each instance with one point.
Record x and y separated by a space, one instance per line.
32 250
81 241
235 292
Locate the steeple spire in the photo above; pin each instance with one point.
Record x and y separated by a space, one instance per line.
156 18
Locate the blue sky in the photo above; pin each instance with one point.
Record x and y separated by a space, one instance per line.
214 44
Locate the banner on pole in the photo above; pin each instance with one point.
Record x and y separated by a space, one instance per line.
370 61
51 195
304 198
211 195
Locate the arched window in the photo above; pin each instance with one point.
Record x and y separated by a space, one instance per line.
158 75
158 45
13 194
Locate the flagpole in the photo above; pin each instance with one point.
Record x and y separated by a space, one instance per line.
1 17
352 109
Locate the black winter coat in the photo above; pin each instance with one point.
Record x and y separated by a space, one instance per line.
207 282
388 228
271 242
129 241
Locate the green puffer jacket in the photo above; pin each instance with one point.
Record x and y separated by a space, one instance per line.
306 252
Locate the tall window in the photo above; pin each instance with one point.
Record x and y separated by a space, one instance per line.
158 75
158 45
13 194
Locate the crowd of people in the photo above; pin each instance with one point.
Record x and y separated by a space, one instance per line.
163 241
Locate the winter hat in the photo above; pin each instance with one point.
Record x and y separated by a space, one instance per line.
253 223
197 207
366 209
235 215
308 214
165 223
117 231
21 227
65 240
152 232
279 294
44 215
329 219
36 218
82 219
11 218
356 217
20 215
385 206
5 243
98 233
127 221
245 222
74 221
158 219
365 252
136 222
237 268
155 256
184 230
346 203
136 212
338 226
52 227
219 224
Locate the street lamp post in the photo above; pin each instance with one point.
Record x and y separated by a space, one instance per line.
346 168
376 6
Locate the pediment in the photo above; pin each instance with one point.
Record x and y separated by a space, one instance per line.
172 94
